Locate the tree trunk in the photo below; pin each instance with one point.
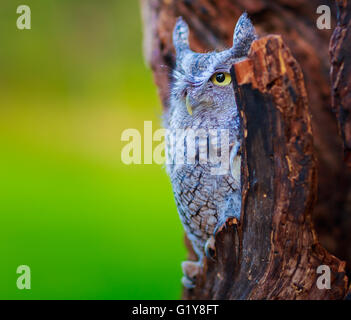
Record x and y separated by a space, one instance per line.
273 252
340 51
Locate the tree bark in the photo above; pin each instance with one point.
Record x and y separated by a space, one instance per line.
273 253
340 51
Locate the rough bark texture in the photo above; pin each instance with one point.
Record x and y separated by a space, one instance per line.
293 244
340 51
340 73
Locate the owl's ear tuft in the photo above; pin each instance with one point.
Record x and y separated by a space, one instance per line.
181 37
244 35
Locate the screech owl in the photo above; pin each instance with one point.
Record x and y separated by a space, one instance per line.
202 99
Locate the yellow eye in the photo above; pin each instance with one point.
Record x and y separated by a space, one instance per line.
221 79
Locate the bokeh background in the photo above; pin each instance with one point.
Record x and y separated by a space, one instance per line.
88 226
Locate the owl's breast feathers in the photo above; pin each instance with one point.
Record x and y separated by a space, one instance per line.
203 199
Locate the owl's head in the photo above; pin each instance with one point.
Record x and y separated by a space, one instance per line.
202 80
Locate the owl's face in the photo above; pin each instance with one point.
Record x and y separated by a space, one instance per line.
202 81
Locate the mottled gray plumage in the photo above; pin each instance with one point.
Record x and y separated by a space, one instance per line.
205 200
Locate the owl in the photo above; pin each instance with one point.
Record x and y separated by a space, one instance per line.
202 107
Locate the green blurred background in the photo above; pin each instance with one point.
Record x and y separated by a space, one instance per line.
88 226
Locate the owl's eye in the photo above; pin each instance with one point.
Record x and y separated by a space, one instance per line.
221 79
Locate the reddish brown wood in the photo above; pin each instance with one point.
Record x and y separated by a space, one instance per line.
340 51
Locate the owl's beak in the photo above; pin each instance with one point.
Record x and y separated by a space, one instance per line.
188 105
